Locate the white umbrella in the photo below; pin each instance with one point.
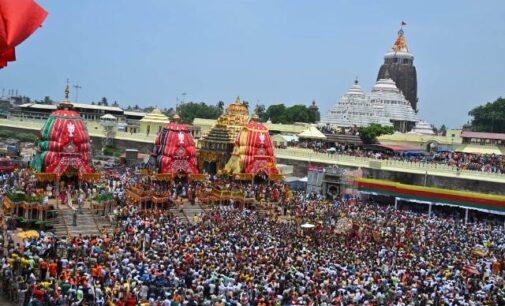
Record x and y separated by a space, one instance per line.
108 116
307 225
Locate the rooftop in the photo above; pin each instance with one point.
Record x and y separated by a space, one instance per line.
312 133
130 113
76 105
483 135
394 148
155 116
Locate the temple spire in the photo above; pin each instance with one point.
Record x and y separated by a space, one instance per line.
400 44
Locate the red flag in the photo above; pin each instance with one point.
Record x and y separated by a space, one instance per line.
8 55
18 20
403 23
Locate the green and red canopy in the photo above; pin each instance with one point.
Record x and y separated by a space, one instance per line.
63 145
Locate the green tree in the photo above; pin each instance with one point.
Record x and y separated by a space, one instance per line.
262 113
148 109
191 110
168 111
298 113
442 130
370 133
112 151
277 113
104 102
489 117
220 105
47 100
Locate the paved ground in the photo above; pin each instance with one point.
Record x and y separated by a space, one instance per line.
5 302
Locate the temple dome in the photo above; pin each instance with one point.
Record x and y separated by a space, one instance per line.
355 90
385 93
354 109
238 107
385 105
386 85
155 116
423 128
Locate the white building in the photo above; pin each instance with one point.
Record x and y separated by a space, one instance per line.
384 105
423 128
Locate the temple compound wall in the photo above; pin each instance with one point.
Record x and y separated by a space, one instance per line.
300 170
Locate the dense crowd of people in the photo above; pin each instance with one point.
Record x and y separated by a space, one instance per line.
357 253
492 163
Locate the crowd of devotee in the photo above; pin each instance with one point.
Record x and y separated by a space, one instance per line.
359 252
493 163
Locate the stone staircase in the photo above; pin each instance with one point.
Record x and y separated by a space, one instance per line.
105 223
179 215
86 224
191 212
188 212
59 225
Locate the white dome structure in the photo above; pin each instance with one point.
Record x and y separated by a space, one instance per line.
396 108
355 109
423 128
384 105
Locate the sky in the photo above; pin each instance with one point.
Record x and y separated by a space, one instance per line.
265 51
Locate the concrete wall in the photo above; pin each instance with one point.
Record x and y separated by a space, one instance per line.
143 147
300 170
97 142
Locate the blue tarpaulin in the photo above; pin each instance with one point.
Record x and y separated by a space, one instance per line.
412 153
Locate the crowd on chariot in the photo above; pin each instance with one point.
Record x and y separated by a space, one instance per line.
358 253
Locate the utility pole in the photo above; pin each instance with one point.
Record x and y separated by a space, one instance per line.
77 87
